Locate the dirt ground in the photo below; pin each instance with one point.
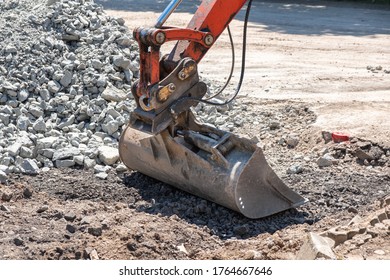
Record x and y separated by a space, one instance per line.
313 66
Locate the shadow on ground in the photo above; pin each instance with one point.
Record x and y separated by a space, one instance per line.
165 200
308 17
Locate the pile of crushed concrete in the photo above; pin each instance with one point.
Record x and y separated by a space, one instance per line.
66 70
65 76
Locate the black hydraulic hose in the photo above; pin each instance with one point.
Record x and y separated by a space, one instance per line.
242 64
231 68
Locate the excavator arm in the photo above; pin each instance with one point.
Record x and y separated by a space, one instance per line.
157 88
165 141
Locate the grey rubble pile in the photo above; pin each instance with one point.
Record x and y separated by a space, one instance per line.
65 75
66 70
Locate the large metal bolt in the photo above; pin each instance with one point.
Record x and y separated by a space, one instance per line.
160 37
172 87
209 40
182 76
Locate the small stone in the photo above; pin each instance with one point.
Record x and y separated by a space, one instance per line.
4 118
387 200
51 2
14 149
89 163
102 175
352 232
124 41
253 255
23 95
47 142
113 94
111 127
355 220
121 168
315 247
3 177
7 195
295 169
382 216
53 86
292 140
352 209
67 122
108 155
360 239
241 230
131 246
339 236
95 231
105 225
79 159
101 168
380 252
70 37
45 169
120 21
376 152
18 241
42 209
86 220
327 136
70 216
23 123
94 255
45 94
36 111
70 228
121 62
66 79
90 253
374 221
128 75
386 223
39 125
27 193
4 208
10 49
26 152
28 166
182 249
97 64
362 155
64 163
274 124
325 161
66 153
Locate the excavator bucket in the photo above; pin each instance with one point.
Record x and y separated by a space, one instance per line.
210 163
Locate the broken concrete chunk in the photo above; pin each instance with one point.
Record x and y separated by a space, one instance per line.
339 236
108 155
28 166
113 94
315 247
65 153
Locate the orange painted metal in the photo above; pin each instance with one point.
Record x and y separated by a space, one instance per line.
176 34
211 18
